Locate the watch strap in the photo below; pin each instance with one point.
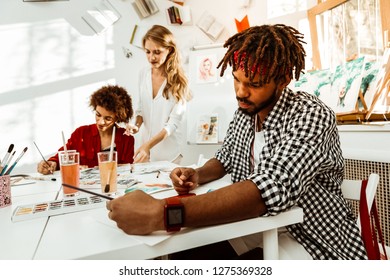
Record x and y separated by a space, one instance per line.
172 202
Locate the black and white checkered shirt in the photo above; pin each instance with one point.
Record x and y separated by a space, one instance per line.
300 164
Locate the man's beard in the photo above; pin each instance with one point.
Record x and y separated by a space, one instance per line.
258 108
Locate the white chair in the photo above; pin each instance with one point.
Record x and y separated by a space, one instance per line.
351 191
291 249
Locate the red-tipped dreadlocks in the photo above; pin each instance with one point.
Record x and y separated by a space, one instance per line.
274 51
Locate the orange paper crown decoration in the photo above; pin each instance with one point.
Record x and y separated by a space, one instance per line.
243 24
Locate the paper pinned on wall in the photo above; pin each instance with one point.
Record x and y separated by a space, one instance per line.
207 130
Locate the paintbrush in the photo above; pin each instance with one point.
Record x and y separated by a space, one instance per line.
48 165
87 191
7 163
107 188
5 159
16 161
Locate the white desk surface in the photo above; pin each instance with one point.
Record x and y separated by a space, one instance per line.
91 235
19 240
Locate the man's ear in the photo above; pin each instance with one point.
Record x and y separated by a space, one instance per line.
283 83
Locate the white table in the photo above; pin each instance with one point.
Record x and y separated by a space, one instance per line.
91 235
20 240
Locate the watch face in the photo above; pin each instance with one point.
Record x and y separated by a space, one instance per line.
175 216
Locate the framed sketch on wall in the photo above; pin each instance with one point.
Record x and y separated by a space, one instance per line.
214 101
207 71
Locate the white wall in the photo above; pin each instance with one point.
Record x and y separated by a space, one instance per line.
39 100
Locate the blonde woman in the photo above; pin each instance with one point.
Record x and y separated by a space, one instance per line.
163 95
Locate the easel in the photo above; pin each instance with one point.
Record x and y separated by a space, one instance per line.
369 115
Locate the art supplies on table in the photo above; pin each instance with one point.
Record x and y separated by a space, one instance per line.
57 207
24 179
90 178
9 170
151 167
4 162
149 188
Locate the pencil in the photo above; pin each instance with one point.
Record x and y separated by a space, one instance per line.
87 191
48 165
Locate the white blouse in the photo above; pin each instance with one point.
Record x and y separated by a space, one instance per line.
159 113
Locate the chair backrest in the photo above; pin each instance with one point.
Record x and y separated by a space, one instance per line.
351 190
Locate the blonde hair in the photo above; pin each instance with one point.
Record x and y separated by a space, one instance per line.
177 82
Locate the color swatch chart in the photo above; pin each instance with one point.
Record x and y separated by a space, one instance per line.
57 207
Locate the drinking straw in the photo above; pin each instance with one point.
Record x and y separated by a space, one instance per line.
112 143
65 149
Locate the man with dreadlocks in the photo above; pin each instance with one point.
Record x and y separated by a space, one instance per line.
281 149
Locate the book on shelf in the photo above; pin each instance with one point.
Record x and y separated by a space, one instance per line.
145 8
179 15
210 26
179 2
207 129
101 16
137 35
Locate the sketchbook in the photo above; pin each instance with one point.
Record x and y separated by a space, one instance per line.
130 175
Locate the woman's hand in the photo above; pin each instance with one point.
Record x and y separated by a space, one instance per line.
142 154
131 129
46 168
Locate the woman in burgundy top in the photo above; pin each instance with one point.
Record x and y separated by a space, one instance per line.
112 104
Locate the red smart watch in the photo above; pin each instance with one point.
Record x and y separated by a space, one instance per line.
174 213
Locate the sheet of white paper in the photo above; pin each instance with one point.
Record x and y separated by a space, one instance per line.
150 240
